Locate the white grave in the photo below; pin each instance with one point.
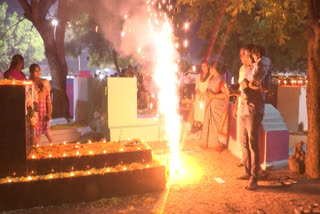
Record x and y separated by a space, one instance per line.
123 121
292 105
273 139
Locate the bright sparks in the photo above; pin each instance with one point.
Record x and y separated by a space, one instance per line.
166 79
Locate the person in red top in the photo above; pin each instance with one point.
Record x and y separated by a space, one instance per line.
14 72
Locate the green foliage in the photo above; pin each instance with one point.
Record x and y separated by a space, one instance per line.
17 35
277 25
83 35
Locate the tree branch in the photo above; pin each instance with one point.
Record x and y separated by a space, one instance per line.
45 6
26 8
15 25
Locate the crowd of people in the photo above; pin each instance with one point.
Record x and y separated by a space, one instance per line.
42 95
211 107
210 104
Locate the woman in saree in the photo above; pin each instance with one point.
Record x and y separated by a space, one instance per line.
214 132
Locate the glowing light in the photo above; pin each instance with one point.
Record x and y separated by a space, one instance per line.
90 152
54 22
13 83
97 28
108 170
33 157
90 142
148 165
29 178
139 50
104 141
125 16
185 43
138 148
104 151
50 144
50 176
193 68
50 155
186 26
64 143
64 155
201 105
9 181
176 45
71 174
78 143
121 150
124 168
122 34
89 173
78 153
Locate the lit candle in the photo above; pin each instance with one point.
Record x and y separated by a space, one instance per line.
124 168
108 170
71 174
64 154
201 105
78 153
285 82
29 178
89 173
50 156
50 176
138 148
279 82
9 181
90 152
148 166
90 142
33 157
121 150
104 151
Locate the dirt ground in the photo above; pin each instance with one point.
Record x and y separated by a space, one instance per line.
195 190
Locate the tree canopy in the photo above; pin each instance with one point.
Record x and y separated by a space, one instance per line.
85 33
18 36
277 25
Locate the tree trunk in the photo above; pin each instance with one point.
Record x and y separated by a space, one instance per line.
53 39
115 59
313 91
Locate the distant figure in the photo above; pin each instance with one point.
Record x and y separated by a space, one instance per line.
42 86
15 70
200 97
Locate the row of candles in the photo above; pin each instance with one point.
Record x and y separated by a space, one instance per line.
90 152
288 82
69 174
72 173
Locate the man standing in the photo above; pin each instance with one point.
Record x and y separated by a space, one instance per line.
250 113
246 64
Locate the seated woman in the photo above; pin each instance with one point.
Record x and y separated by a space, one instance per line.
215 122
44 102
15 70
